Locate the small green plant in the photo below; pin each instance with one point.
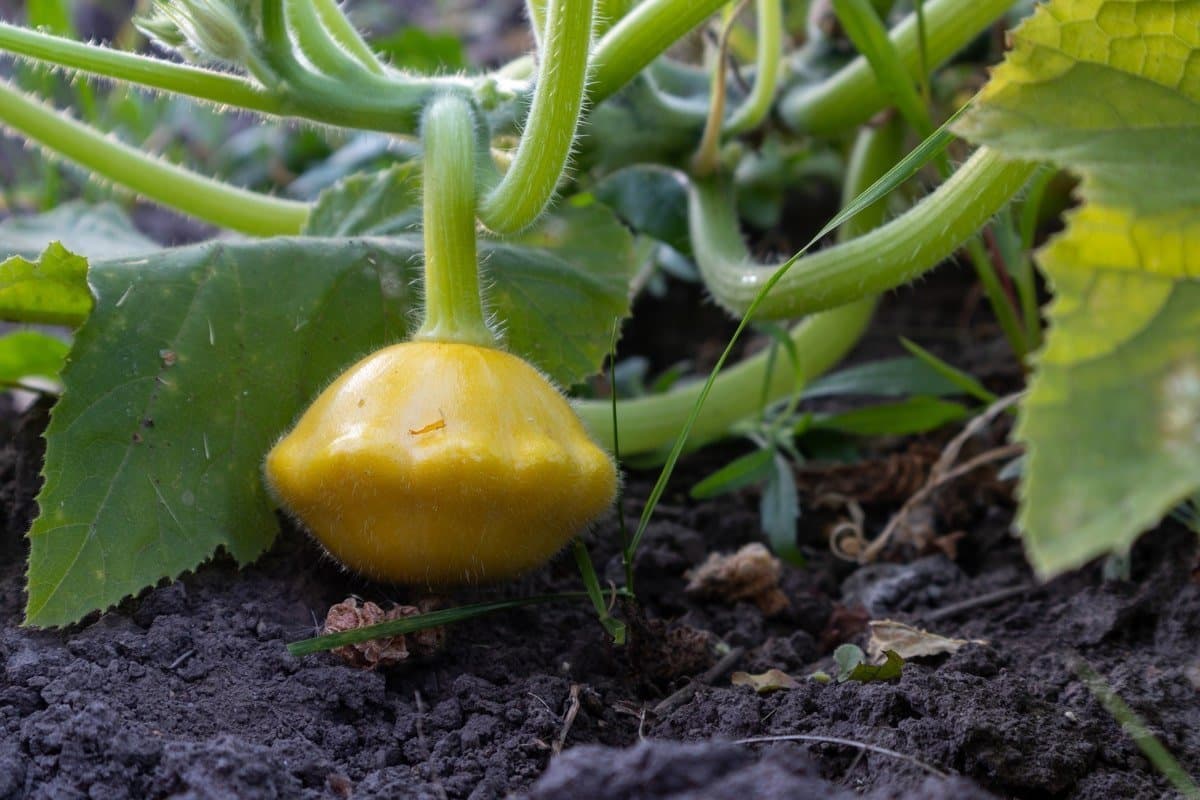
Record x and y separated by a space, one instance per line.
571 170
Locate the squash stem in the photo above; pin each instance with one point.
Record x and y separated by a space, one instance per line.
757 105
549 134
173 186
641 36
648 425
453 306
345 34
882 259
853 95
321 47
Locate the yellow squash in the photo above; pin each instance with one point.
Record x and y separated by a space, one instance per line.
440 463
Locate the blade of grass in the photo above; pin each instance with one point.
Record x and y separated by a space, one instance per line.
901 172
626 553
1132 724
964 380
420 622
614 626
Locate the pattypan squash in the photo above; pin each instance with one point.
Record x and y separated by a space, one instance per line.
441 462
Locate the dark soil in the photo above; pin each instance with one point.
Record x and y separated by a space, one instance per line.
188 691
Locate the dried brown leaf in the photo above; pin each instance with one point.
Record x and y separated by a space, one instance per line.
350 614
773 680
751 574
910 642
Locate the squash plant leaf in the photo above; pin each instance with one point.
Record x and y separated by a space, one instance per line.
26 354
1111 90
384 203
555 288
51 289
94 231
194 360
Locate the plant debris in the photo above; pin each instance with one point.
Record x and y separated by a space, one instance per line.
852 665
909 642
773 680
350 615
751 574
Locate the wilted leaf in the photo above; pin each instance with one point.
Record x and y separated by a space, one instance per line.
1111 90
773 680
909 642
52 289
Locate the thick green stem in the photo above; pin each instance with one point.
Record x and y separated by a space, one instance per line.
708 154
650 424
549 134
883 259
390 103
202 84
862 23
453 308
610 12
319 44
178 188
757 105
346 35
536 9
641 36
853 95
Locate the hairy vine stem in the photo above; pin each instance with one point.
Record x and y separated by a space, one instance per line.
154 73
649 424
200 196
877 261
757 104
453 307
853 95
642 36
525 190
322 47
345 35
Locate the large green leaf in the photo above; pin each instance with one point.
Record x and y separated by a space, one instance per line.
51 289
555 289
194 361
25 354
1111 90
382 203
94 231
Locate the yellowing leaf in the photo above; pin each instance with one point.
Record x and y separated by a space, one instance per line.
52 289
1111 90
